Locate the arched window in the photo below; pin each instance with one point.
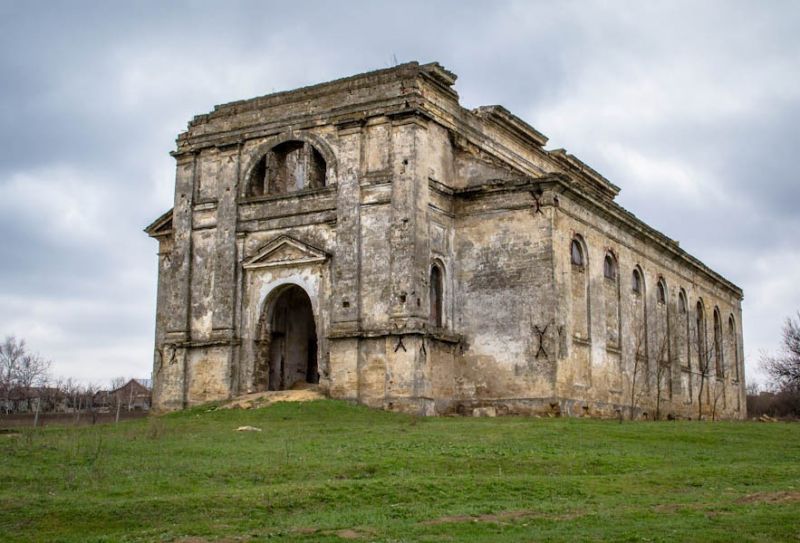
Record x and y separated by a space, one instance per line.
639 315
288 167
436 292
734 341
576 252
718 362
579 311
636 282
700 326
661 291
683 343
611 300
610 267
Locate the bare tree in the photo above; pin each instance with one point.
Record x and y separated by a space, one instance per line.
89 392
719 392
20 369
11 352
663 370
117 382
33 370
784 369
704 357
639 356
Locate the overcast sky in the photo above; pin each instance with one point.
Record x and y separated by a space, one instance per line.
692 108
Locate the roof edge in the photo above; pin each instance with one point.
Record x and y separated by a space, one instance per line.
153 228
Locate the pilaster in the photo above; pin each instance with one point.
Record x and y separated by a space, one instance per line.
346 265
408 229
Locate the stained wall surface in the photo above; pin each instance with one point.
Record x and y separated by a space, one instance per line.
435 247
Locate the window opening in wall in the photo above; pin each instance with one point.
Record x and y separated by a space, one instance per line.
436 287
609 268
661 292
700 323
684 345
288 167
718 344
611 302
257 185
576 252
734 346
636 282
316 169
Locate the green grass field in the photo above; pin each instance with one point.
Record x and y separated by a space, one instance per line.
330 471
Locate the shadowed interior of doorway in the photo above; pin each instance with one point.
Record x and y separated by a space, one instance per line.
287 350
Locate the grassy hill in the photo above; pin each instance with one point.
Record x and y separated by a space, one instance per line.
329 471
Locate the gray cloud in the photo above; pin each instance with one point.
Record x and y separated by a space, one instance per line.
690 107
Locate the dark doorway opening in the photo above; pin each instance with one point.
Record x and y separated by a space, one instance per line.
290 338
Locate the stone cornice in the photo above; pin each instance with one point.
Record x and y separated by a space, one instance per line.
511 124
431 333
616 214
412 101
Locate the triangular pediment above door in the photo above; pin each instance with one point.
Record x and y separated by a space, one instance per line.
285 251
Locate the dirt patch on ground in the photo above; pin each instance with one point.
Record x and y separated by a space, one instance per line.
502 516
305 393
347 533
771 497
203 540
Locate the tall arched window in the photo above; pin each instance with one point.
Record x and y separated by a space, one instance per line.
611 296
683 344
288 167
700 327
662 346
639 314
718 361
579 289
613 320
436 293
734 343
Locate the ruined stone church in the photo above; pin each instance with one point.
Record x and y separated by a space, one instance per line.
373 237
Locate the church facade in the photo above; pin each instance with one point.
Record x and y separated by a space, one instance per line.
373 237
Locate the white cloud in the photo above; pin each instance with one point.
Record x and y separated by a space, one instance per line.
68 205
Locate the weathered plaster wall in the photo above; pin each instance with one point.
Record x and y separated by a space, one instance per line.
504 293
413 180
652 329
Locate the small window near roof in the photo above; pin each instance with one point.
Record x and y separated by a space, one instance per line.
577 253
661 292
636 282
682 302
609 268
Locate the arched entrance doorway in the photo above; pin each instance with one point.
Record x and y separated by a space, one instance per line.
287 353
